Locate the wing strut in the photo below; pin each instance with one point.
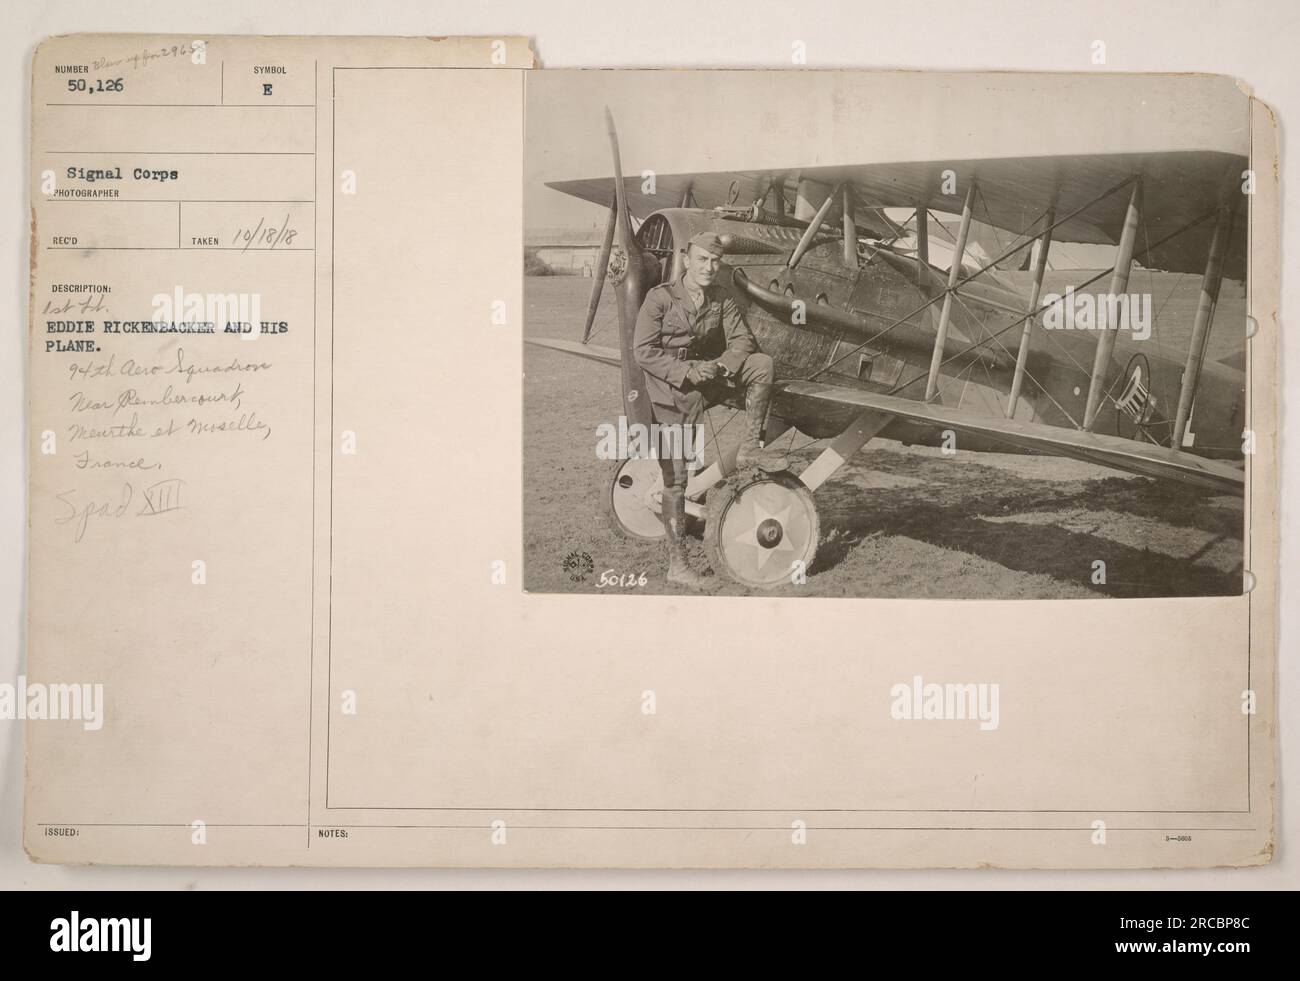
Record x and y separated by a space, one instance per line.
1022 356
1204 321
922 245
850 230
776 190
1118 286
813 228
954 272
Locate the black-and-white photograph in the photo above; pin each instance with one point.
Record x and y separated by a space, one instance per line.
835 334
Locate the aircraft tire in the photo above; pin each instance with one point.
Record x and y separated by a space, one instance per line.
633 486
759 526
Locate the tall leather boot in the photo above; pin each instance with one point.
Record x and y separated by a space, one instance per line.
758 397
680 572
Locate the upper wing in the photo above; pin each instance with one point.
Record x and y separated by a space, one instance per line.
1014 192
1111 451
708 190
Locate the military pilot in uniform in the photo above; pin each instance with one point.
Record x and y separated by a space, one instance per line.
694 345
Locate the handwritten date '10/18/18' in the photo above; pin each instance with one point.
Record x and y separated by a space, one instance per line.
266 236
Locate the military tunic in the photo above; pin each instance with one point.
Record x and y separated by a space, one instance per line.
671 332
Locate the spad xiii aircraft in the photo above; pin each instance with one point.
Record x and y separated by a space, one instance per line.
873 339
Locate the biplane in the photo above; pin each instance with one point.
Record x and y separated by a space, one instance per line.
873 337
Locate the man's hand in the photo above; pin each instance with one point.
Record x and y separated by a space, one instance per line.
702 371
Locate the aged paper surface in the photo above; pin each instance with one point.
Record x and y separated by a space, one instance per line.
294 557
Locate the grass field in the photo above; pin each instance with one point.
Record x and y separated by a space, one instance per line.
895 521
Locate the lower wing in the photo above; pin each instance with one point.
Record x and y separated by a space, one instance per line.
1146 459
1129 455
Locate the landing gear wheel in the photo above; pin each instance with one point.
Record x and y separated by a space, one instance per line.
633 500
759 527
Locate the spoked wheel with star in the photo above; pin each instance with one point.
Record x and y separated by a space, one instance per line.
759 527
